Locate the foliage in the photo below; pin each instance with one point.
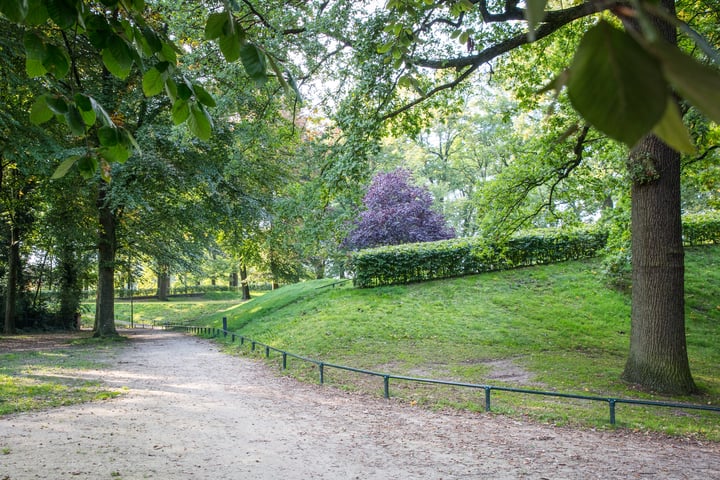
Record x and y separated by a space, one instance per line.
701 228
397 212
467 256
618 80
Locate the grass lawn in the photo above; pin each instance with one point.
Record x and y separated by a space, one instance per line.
35 380
552 328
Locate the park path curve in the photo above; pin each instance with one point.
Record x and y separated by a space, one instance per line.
192 412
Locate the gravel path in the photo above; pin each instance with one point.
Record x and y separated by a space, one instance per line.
191 412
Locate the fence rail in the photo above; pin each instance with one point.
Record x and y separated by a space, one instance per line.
611 402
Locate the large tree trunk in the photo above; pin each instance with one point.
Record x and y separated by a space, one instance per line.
658 355
12 281
163 283
244 283
107 244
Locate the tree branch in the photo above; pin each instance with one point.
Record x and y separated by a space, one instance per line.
554 20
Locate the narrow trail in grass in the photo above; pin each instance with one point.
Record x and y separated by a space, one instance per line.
193 412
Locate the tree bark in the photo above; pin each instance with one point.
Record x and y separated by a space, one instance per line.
163 283
658 354
12 281
107 245
244 283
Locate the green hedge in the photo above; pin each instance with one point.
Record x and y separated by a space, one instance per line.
701 228
417 262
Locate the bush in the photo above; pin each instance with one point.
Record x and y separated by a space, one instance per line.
701 228
467 256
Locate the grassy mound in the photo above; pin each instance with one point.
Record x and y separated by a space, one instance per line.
553 328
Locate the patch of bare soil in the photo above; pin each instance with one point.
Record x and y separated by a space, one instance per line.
40 341
191 412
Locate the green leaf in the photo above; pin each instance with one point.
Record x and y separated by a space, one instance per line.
98 30
230 46
171 89
87 165
34 68
100 112
534 14
215 25
117 58
108 136
37 13
203 96
84 103
64 167
57 104
616 85
385 47
199 122
14 10
75 121
180 111
673 131
254 62
156 45
105 170
278 74
138 5
34 55
56 61
128 140
34 46
184 90
40 112
63 12
697 83
153 82
168 53
118 153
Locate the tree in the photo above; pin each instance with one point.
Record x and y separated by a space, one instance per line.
658 353
620 81
397 212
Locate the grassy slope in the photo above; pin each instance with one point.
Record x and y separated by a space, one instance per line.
554 327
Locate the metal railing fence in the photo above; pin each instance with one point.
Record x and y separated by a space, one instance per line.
612 402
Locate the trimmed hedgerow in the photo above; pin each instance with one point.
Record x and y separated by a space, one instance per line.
701 228
417 262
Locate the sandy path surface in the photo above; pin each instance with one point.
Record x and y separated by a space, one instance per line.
191 412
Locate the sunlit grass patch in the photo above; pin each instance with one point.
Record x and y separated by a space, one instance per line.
47 379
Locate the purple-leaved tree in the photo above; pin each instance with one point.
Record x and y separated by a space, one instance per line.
397 212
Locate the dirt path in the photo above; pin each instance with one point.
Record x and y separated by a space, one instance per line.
191 412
